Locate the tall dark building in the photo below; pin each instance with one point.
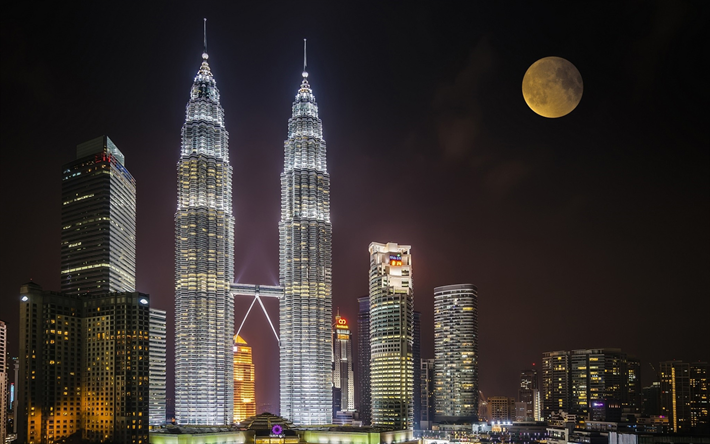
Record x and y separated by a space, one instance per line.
427 411
591 383
97 346
417 357
684 395
652 400
363 360
555 382
634 400
98 244
528 391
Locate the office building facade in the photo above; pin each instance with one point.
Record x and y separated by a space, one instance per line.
528 391
244 381
343 374
305 268
555 382
684 395
158 367
363 360
204 261
416 358
98 347
98 238
391 335
456 352
427 411
501 408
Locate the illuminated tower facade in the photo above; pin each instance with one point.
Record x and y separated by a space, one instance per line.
204 261
244 394
391 336
456 352
305 268
363 359
158 370
98 221
343 377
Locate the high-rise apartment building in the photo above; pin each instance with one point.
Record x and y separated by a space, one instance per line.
343 375
591 383
634 400
456 352
305 268
158 368
684 395
528 391
83 366
555 382
363 359
391 335
428 411
116 364
417 381
204 261
98 243
4 378
244 380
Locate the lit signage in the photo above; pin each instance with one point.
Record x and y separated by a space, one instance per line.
341 323
25 299
396 260
144 301
277 430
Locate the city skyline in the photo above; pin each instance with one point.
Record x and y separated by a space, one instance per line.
608 216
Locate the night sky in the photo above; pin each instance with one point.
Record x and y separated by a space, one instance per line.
590 230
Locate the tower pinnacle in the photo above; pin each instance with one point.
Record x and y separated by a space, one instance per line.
204 31
305 74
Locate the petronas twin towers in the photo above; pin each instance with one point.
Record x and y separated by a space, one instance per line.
204 264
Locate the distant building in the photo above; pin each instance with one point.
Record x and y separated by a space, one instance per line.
456 352
555 382
343 375
363 359
417 381
391 335
652 399
427 411
4 378
684 395
527 392
501 408
594 384
158 357
244 381
634 399
98 241
98 347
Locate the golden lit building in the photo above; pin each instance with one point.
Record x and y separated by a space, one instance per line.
244 397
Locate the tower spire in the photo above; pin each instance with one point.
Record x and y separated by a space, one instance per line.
305 74
204 39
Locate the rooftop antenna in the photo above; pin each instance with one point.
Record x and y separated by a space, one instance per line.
305 74
204 52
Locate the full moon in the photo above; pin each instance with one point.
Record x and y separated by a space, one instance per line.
552 87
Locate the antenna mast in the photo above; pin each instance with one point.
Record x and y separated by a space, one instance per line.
205 35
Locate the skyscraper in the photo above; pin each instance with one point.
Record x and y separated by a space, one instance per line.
363 359
98 244
305 267
158 327
527 393
416 358
391 335
343 377
456 352
427 396
204 261
555 382
244 378
684 395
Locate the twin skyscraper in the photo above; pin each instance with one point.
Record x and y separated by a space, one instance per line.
204 264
